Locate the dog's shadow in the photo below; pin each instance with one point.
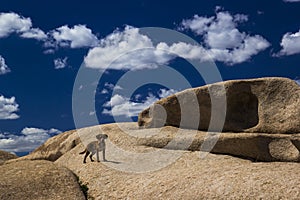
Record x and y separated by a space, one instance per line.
111 161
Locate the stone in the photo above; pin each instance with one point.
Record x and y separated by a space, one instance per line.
38 179
284 150
177 169
255 146
263 105
4 156
189 176
54 147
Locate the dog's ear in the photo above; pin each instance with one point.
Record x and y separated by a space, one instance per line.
101 136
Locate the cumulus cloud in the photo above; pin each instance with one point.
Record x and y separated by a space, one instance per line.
133 50
28 140
34 33
122 106
60 63
14 23
8 108
221 41
78 36
3 67
221 38
290 44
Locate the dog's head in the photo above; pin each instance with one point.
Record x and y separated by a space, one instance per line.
101 136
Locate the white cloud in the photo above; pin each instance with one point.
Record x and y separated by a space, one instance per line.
78 36
198 24
28 140
34 33
122 106
291 0
165 93
3 67
49 51
13 23
133 50
60 63
290 44
8 108
104 91
116 100
110 87
222 40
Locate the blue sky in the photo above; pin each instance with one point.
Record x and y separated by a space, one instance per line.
43 45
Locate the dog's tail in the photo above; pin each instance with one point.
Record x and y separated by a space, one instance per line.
83 152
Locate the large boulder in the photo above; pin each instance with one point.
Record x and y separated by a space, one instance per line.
130 173
266 105
41 180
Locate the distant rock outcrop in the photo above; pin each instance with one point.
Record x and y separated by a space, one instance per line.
54 147
264 105
41 180
4 156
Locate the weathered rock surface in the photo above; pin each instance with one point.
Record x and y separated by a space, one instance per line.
4 156
151 163
41 180
254 146
127 175
54 147
135 171
264 105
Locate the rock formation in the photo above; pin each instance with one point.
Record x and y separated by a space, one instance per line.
54 147
187 176
4 156
28 180
254 146
163 161
264 105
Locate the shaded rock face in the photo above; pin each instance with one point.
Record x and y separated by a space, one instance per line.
254 146
4 156
267 105
28 180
